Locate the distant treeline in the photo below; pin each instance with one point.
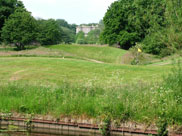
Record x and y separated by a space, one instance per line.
155 25
19 28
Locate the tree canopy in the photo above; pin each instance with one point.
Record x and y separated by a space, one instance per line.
80 38
7 7
69 31
49 32
93 37
128 22
19 29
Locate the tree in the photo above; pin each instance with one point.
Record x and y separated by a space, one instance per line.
117 25
68 35
63 23
93 37
19 29
69 31
166 38
80 38
7 7
129 21
49 32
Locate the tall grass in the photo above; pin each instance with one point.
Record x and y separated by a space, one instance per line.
137 102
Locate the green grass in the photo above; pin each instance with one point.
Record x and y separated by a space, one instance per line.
78 87
144 103
57 71
100 53
5 49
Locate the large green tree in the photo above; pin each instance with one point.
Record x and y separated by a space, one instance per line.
129 21
19 29
49 32
7 7
167 38
69 31
117 28
68 35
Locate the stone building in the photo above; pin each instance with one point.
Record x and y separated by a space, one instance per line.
86 29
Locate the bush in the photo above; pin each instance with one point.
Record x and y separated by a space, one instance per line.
153 44
165 52
137 54
164 42
174 79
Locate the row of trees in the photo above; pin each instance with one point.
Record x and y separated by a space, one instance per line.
19 28
155 24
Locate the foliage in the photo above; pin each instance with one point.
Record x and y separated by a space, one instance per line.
162 128
167 39
174 81
153 43
69 31
101 25
68 35
63 23
117 28
19 29
155 23
49 32
93 37
7 7
137 54
80 38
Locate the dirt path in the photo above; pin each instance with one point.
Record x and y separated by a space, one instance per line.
15 75
96 61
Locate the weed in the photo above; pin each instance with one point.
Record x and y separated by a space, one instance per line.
162 128
106 126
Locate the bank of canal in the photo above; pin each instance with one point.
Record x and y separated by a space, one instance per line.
73 127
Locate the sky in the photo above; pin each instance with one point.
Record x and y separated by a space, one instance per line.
73 11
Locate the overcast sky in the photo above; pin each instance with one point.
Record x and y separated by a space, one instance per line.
73 11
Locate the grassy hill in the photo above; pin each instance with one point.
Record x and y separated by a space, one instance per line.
100 53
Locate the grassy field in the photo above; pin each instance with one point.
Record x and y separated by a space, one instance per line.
47 82
58 70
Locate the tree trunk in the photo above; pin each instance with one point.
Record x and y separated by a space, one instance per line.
20 46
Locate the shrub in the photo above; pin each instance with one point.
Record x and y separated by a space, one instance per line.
153 43
137 54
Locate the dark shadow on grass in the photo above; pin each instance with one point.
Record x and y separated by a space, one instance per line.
30 47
